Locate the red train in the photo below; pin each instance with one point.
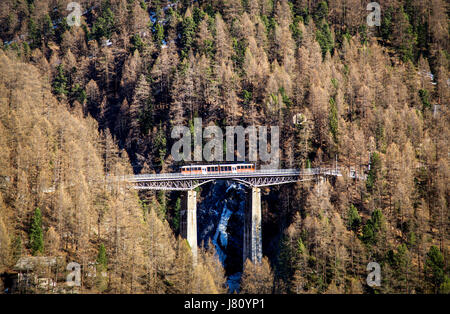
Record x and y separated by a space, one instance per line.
212 169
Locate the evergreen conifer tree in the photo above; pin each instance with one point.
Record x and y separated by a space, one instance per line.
37 236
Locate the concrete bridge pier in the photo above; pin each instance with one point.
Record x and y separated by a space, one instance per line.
188 217
252 228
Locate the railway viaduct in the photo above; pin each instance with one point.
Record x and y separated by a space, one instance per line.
252 246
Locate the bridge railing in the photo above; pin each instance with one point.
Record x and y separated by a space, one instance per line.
261 172
177 176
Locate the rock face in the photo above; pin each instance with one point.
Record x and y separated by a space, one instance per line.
220 217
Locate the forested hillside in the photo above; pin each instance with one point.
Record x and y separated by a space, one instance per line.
55 200
76 101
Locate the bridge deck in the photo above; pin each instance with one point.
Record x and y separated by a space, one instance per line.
256 173
257 178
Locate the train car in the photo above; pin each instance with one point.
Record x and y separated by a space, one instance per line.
213 169
245 168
